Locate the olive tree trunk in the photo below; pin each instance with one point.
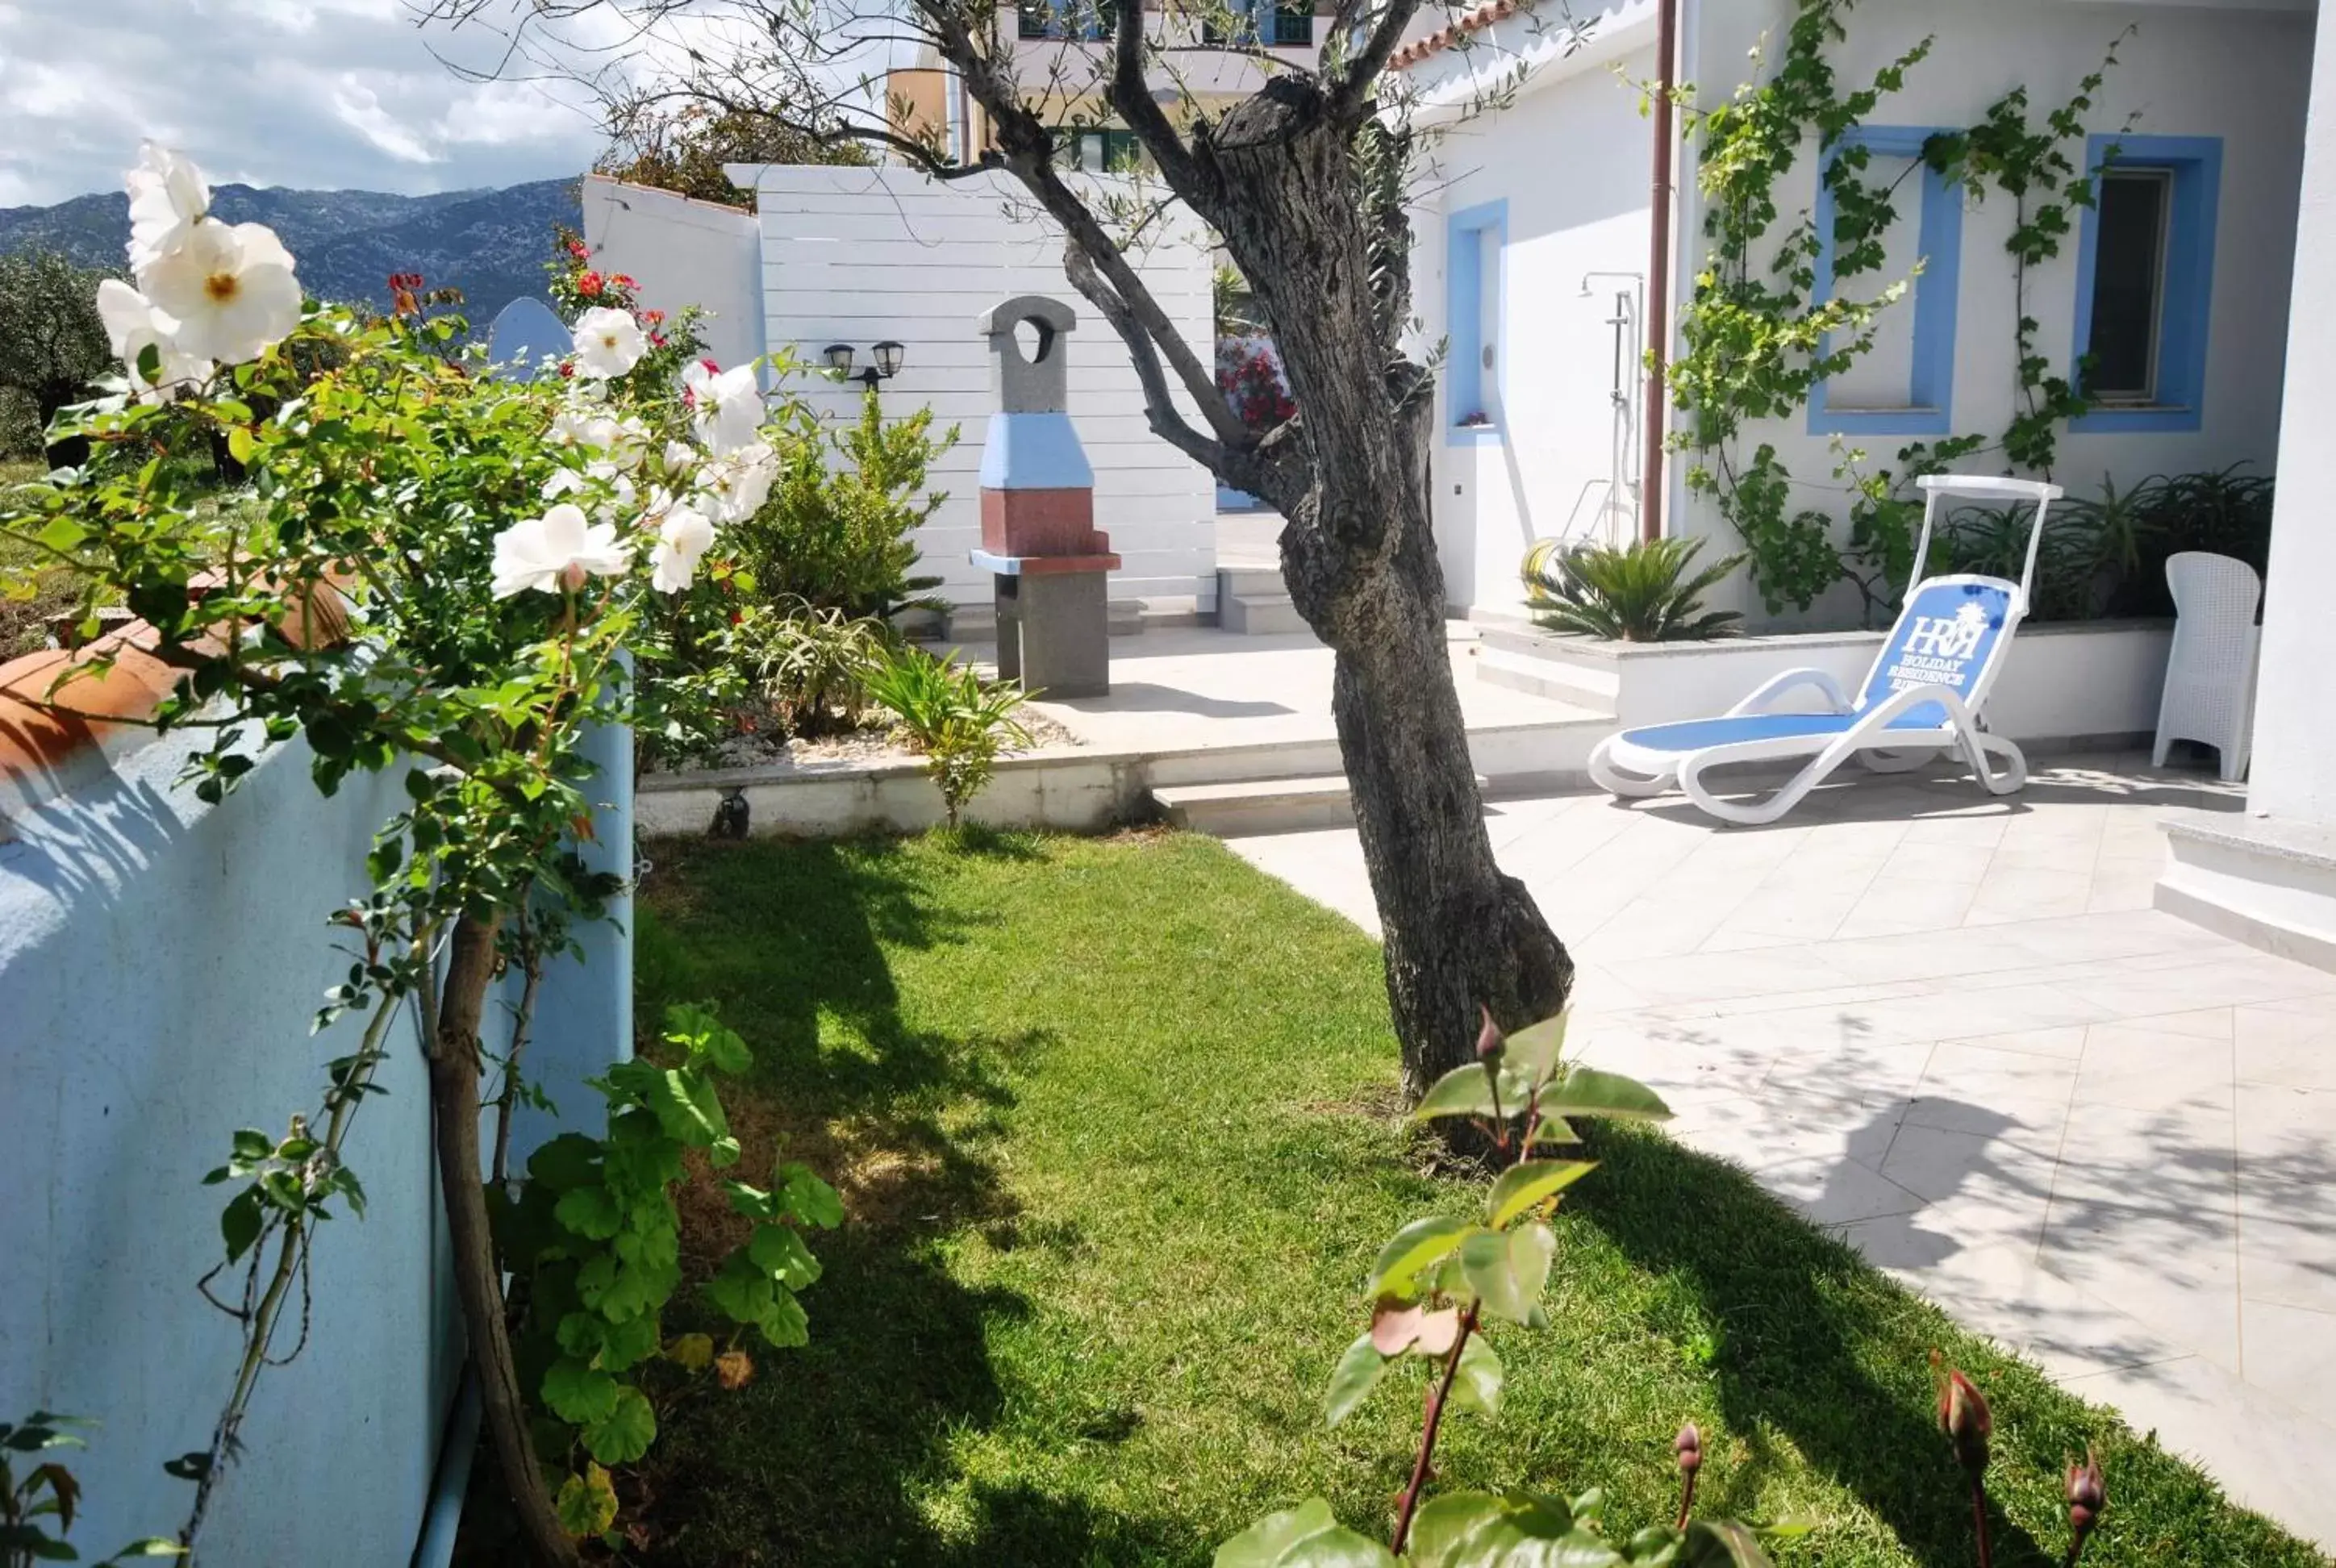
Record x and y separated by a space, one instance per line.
1281 181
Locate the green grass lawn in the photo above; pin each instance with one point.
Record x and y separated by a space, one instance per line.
1114 1122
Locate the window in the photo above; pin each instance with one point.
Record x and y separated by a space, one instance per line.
2129 285
1085 19
1097 151
1474 282
2146 281
1905 384
1281 26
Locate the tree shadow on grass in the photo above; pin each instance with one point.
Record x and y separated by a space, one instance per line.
1806 1349
840 1452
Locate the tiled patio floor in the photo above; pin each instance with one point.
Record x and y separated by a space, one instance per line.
1955 1029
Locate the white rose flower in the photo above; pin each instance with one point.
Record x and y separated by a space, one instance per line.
168 197
132 325
571 428
738 483
680 457
567 481
555 551
682 536
725 406
609 343
230 289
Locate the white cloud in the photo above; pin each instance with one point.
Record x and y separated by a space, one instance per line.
319 93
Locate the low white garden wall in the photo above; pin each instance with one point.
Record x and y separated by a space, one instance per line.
2094 683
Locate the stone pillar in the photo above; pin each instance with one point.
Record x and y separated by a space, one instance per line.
2268 876
1038 538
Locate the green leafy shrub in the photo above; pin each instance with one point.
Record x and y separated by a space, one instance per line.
49 1491
594 1232
1640 592
840 534
958 720
810 664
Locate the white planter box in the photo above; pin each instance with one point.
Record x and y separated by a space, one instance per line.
2070 684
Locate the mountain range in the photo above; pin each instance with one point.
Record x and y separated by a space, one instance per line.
490 244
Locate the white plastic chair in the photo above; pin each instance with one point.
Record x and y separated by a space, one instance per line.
2210 671
1924 694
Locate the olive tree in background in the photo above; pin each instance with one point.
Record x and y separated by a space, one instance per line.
1305 181
51 343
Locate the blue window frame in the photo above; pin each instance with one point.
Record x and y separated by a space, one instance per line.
1279 24
2165 237
1929 408
1476 247
1082 19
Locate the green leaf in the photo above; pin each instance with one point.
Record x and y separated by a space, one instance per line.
784 1323
1587 1091
1521 1186
633 1340
1476 1384
740 1291
628 1431
778 1251
591 1211
241 1221
1722 1544
251 1144
1535 1049
1352 1381
807 1198
1413 1248
579 1394
240 444
153 1547
587 1503
1520 1530
1306 1536
1507 1270
569 1160
1468 1092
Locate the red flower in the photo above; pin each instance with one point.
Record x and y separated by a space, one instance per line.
711 368
657 338
576 249
568 372
588 285
623 280
649 317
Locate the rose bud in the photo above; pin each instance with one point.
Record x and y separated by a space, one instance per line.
1688 1447
1489 1041
2087 1493
1963 1417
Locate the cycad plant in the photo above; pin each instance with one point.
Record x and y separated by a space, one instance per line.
1639 592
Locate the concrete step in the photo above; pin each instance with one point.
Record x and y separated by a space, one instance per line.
1259 614
1228 811
1251 579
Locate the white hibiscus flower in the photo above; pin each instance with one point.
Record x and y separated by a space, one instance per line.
682 537
725 406
555 551
609 343
230 289
168 197
132 325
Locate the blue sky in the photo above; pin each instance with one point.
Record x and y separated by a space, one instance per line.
319 93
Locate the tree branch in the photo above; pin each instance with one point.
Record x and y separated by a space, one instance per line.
1349 95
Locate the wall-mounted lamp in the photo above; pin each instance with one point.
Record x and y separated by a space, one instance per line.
887 355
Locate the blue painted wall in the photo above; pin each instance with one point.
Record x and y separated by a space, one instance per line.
2185 314
1937 296
159 963
1469 232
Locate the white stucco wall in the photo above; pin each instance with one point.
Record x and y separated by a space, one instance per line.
2294 767
1571 158
682 252
860 254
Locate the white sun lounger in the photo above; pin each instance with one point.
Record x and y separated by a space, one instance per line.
1925 693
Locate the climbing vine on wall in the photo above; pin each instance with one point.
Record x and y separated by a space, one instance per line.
1761 328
